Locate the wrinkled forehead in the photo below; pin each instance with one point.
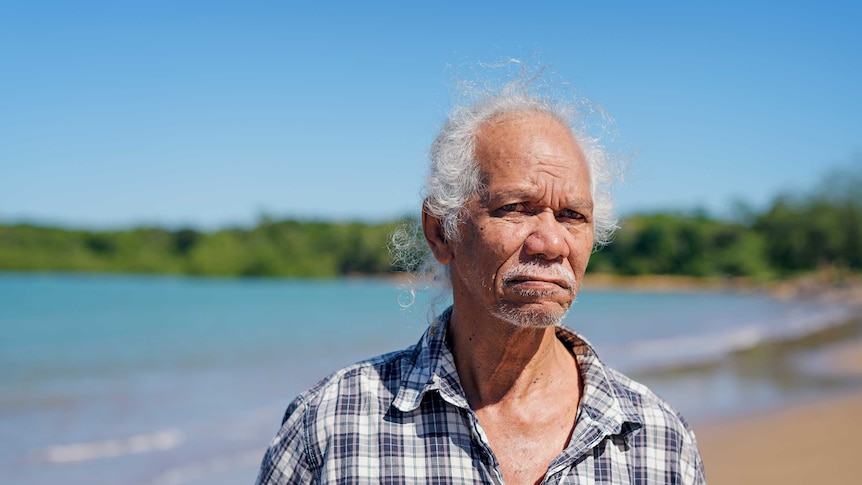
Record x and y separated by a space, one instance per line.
524 148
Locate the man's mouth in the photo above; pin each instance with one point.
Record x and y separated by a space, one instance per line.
541 280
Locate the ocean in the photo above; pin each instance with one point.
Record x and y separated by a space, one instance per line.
158 380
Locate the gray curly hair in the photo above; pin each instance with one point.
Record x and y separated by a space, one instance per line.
454 175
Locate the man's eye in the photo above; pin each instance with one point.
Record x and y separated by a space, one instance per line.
511 210
573 215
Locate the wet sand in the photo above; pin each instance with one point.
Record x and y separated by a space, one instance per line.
816 442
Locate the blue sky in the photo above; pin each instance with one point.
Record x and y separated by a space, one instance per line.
211 113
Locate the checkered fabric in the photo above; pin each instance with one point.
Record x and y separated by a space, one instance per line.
403 418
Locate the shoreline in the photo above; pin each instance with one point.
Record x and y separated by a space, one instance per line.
810 435
812 442
826 286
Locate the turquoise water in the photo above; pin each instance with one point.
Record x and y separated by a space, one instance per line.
163 380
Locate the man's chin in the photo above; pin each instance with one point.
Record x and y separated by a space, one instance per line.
530 317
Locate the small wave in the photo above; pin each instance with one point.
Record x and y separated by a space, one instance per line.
200 469
704 348
143 443
687 349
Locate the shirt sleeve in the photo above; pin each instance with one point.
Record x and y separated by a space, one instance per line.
691 464
286 460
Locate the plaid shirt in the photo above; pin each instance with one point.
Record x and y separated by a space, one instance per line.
403 418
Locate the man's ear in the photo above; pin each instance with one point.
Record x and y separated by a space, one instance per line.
436 237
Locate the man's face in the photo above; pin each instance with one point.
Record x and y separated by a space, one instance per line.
525 241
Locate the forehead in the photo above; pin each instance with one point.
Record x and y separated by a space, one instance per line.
531 151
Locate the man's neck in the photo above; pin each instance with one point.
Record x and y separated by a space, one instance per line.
498 362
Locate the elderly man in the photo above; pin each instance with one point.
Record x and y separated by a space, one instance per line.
496 391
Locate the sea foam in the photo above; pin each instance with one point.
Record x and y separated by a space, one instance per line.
142 443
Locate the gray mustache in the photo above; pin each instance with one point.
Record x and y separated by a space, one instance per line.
555 271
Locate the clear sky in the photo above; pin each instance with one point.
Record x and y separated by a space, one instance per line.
211 113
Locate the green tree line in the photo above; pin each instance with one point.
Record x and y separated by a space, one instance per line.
795 234
283 248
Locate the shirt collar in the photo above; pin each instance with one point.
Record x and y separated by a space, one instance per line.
605 403
433 369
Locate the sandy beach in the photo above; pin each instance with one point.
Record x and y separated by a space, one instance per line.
816 442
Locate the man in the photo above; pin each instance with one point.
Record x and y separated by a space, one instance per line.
496 391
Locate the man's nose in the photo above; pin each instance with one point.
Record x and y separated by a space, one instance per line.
547 237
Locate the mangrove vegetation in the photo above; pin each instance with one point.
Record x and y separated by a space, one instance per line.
794 234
